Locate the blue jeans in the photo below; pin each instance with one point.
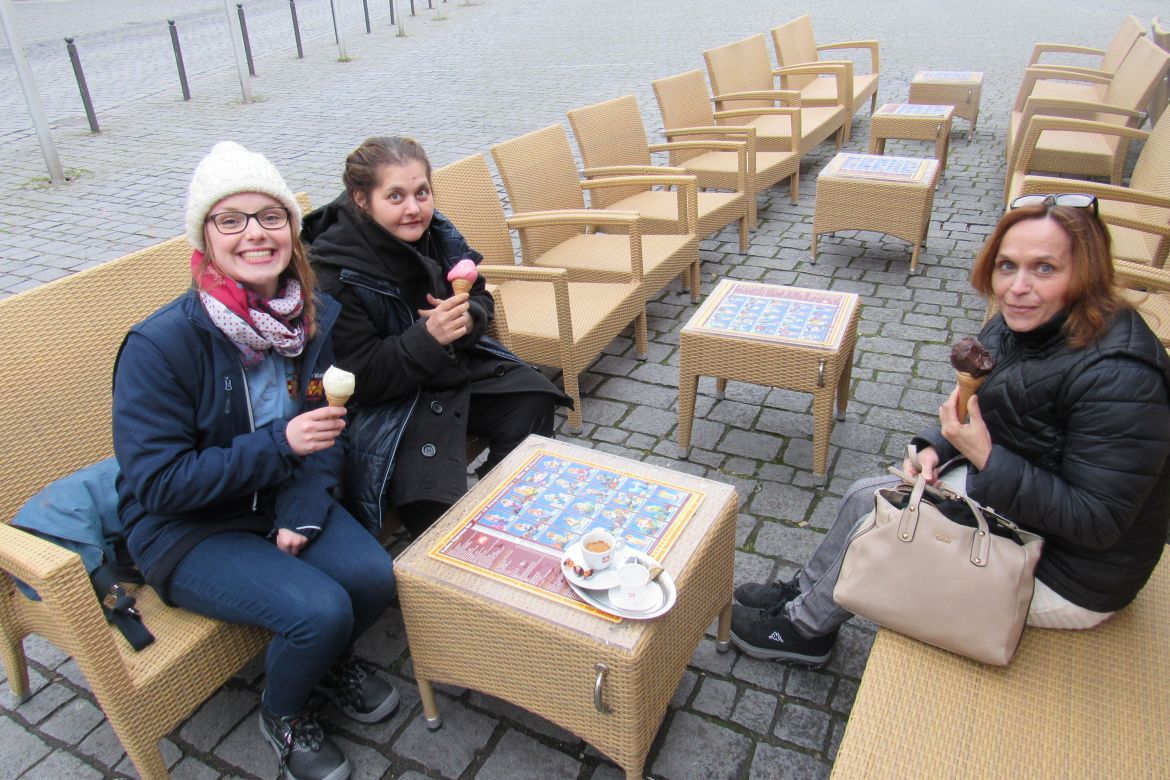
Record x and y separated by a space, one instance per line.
316 604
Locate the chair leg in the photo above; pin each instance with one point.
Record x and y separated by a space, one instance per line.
695 283
873 103
147 760
641 339
743 238
794 186
573 390
15 666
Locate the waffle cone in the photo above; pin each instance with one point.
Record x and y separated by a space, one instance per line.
461 285
968 386
336 400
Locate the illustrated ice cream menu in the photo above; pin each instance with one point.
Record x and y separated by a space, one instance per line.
878 166
521 531
773 312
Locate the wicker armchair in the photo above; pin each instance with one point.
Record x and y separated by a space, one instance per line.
1110 59
612 140
686 111
540 175
540 315
1139 215
1161 98
795 44
1148 290
1125 98
742 80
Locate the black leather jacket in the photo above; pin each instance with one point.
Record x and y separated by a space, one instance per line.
1080 453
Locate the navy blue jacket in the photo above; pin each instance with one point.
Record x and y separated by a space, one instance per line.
191 464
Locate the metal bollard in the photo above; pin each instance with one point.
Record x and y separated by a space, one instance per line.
396 11
391 12
412 8
179 59
333 12
247 44
292 5
431 4
366 11
81 85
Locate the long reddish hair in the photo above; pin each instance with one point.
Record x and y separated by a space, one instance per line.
1093 301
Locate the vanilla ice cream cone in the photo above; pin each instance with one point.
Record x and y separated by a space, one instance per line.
338 385
461 285
336 400
968 386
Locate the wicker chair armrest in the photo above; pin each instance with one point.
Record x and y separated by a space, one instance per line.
835 68
745 131
787 97
628 170
60 579
714 146
1127 274
1069 73
1062 48
872 45
1037 125
580 217
556 277
1037 185
1077 109
686 184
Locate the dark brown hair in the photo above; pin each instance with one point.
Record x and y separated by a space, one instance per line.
1092 299
363 166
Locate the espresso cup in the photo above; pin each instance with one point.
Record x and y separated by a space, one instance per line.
598 548
631 588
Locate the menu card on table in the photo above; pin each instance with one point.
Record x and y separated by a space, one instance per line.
777 313
914 109
879 166
962 76
519 533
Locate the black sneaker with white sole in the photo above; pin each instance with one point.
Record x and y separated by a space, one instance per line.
762 595
360 694
305 752
768 634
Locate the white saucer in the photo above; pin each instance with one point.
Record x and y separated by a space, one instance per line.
600 598
652 598
601 580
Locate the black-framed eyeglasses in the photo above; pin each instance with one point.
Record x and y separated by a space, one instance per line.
1076 200
229 222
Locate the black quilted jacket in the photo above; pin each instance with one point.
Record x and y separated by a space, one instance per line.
1081 453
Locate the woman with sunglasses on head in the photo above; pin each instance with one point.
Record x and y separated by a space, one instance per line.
427 373
229 460
1069 436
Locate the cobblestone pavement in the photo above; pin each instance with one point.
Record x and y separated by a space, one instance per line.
466 76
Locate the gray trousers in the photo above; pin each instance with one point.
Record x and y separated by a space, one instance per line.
813 612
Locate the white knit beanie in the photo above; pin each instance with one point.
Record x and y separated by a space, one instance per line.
226 170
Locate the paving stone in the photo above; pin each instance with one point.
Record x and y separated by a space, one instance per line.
792 544
19 749
218 715
451 749
73 721
716 697
755 710
170 753
708 659
809 685
60 765
803 726
103 746
365 763
698 748
778 763
520 757
527 719
41 705
193 769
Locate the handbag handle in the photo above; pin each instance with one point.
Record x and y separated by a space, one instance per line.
908 524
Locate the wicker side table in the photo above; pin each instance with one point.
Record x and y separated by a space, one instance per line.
912 122
892 195
962 89
760 333
609 683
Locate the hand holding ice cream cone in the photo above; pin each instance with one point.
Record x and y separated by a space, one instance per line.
972 363
463 276
339 385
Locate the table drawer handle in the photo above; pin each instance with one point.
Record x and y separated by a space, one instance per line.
821 374
598 704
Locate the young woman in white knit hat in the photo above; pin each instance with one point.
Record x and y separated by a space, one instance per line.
230 456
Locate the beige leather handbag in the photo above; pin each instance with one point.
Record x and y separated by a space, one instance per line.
963 586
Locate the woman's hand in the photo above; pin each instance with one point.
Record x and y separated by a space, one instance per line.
971 438
928 461
290 541
315 430
449 320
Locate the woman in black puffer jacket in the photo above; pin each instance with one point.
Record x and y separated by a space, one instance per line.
1069 436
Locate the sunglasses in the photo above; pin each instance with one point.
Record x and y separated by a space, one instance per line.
1076 200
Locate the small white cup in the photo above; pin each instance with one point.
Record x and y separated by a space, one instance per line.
600 558
632 580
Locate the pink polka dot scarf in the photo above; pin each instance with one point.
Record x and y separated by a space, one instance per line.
254 324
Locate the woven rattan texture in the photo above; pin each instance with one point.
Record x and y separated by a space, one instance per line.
795 44
467 630
907 127
540 175
772 365
541 316
1072 705
900 209
965 97
612 134
61 427
1106 63
746 66
684 103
